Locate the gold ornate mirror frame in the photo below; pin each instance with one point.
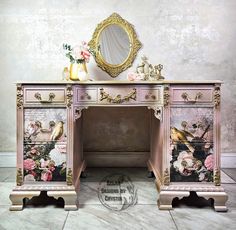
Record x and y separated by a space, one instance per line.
135 45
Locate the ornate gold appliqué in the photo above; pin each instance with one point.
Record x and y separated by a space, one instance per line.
166 177
157 111
69 177
217 177
166 95
19 177
117 99
217 96
19 96
69 95
78 111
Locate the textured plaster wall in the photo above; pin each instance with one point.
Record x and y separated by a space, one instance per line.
193 39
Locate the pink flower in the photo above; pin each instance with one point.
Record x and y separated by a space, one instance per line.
132 76
46 175
33 150
77 52
29 164
85 54
33 173
44 163
209 162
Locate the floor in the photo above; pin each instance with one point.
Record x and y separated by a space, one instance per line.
47 213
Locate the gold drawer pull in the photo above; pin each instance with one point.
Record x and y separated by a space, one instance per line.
85 96
187 98
150 96
117 99
39 97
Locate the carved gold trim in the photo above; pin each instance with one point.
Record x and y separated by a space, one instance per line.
19 96
135 45
69 177
217 177
157 111
166 95
216 96
78 111
19 177
117 99
69 95
166 177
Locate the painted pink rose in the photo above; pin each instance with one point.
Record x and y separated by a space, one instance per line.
209 163
33 150
131 76
46 175
29 164
44 163
85 54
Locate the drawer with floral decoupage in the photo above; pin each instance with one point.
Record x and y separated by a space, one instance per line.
191 144
45 144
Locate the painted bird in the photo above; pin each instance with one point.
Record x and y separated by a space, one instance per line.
58 131
179 136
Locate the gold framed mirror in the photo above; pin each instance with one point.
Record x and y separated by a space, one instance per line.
115 44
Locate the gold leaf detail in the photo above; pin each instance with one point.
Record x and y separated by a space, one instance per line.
19 177
69 177
69 95
19 96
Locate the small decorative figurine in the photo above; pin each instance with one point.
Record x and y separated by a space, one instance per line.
146 71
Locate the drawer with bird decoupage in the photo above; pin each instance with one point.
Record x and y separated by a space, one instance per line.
44 144
192 147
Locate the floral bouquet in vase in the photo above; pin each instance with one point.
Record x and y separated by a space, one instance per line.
79 56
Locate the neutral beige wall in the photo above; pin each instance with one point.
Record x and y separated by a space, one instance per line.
193 39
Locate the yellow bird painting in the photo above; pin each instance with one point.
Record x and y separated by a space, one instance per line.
57 131
179 136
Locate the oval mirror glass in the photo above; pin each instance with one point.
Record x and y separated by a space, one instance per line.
114 44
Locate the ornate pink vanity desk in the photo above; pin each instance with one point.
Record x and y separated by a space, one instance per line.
184 143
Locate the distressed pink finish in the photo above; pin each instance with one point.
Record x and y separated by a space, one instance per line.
148 94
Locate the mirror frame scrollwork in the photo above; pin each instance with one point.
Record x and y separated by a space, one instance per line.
135 45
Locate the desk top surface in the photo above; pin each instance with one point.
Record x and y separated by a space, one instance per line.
112 82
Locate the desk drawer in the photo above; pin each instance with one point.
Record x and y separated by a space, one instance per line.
44 95
150 95
191 95
85 95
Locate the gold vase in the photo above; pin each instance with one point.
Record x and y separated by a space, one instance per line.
78 72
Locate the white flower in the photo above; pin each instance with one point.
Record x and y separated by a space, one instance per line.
29 177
